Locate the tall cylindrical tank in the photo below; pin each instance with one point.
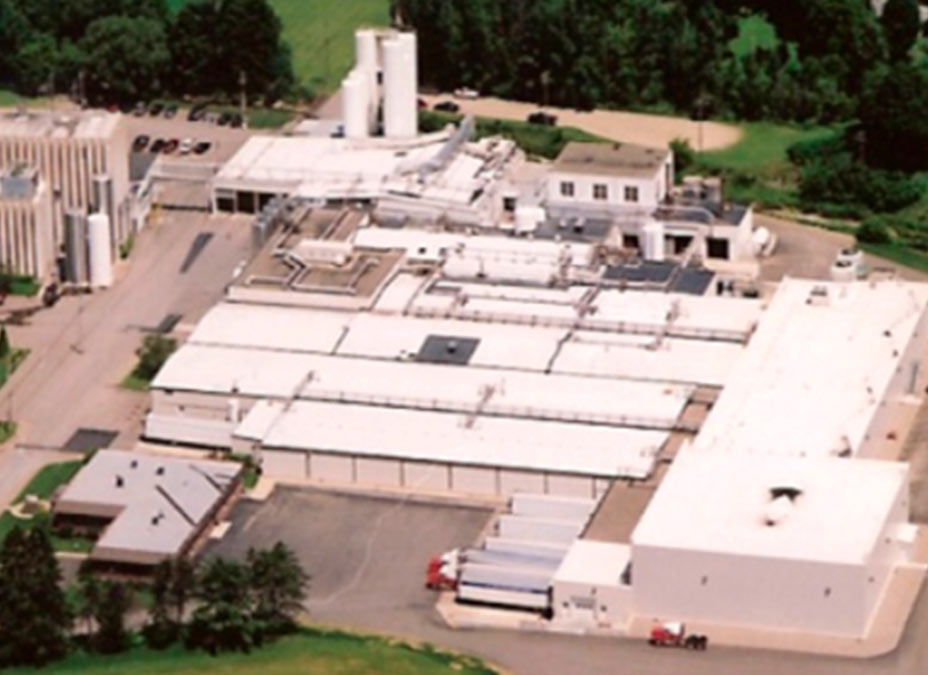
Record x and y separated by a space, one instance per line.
103 202
652 240
355 105
368 63
399 86
101 262
75 246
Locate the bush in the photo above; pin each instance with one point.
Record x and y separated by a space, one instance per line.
838 179
873 231
155 350
803 152
683 154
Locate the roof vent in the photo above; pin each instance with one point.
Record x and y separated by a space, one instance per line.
783 496
159 471
134 463
452 346
157 518
119 481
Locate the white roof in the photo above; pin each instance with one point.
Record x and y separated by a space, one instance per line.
444 437
185 491
597 563
46 124
226 370
270 327
717 501
646 357
813 375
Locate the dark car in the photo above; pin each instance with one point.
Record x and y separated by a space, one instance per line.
422 104
224 119
140 143
542 118
447 106
197 112
158 145
170 146
202 147
139 109
155 108
236 120
170 110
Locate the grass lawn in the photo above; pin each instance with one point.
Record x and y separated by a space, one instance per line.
307 653
321 36
10 363
7 431
754 32
898 254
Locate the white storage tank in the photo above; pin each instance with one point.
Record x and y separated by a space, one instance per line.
652 240
355 105
399 86
101 262
368 64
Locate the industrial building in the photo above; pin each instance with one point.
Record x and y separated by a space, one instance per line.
144 508
27 245
81 157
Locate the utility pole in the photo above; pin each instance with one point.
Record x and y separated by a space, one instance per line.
242 82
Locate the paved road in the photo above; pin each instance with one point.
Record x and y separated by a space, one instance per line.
85 345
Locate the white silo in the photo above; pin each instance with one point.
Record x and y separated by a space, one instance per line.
355 105
652 240
367 62
101 262
399 86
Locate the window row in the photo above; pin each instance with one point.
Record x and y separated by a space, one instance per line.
600 191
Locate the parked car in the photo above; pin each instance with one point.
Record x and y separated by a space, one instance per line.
186 146
139 109
541 117
170 110
197 112
224 118
170 146
158 145
49 295
155 108
466 92
202 147
422 104
140 143
447 106
236 120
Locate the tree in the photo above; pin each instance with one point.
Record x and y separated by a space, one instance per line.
154 352
683 154
278 584
124 58
112 636
223 620
892 112
901 23
5 349
34 615
161 630
182 587
89 597
36 62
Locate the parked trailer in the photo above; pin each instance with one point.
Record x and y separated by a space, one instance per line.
540 529
548 506
506 559
549 549
514 578
488 595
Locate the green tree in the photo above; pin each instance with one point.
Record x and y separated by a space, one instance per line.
34 615
154 352
36 62
111 636
124 58
892 111
89 596
223 619
182 587
683 154
278 584
901 23
161 630
5 349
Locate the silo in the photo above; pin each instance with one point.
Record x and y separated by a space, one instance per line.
101 262
355 105
75 246
399 86
652 240
103 203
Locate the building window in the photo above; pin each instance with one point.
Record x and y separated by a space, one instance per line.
600 192
567 189
717 247
631 193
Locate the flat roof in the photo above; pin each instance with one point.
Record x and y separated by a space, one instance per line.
614 159
717 502
445 438
49 124
817 368
595 563
159 500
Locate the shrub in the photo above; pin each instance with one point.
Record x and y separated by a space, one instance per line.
838 179
873 231
803 152
683 154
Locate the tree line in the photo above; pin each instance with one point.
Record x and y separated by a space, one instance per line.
121 51
218 605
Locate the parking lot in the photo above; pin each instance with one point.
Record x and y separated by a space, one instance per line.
224 140
366 554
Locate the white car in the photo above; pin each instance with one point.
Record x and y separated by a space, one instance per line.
186 146
465 92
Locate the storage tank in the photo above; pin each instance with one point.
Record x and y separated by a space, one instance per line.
103 203
101 262
355 105
652 240
75 246
399 86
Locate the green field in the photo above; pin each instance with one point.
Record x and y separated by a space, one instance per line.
308 653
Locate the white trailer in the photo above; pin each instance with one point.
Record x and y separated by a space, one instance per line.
540 529
549 506
531 600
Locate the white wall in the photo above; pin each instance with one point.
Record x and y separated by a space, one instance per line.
283 464
757 592
603 606
650 192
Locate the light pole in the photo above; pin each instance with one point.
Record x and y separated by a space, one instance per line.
242 82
